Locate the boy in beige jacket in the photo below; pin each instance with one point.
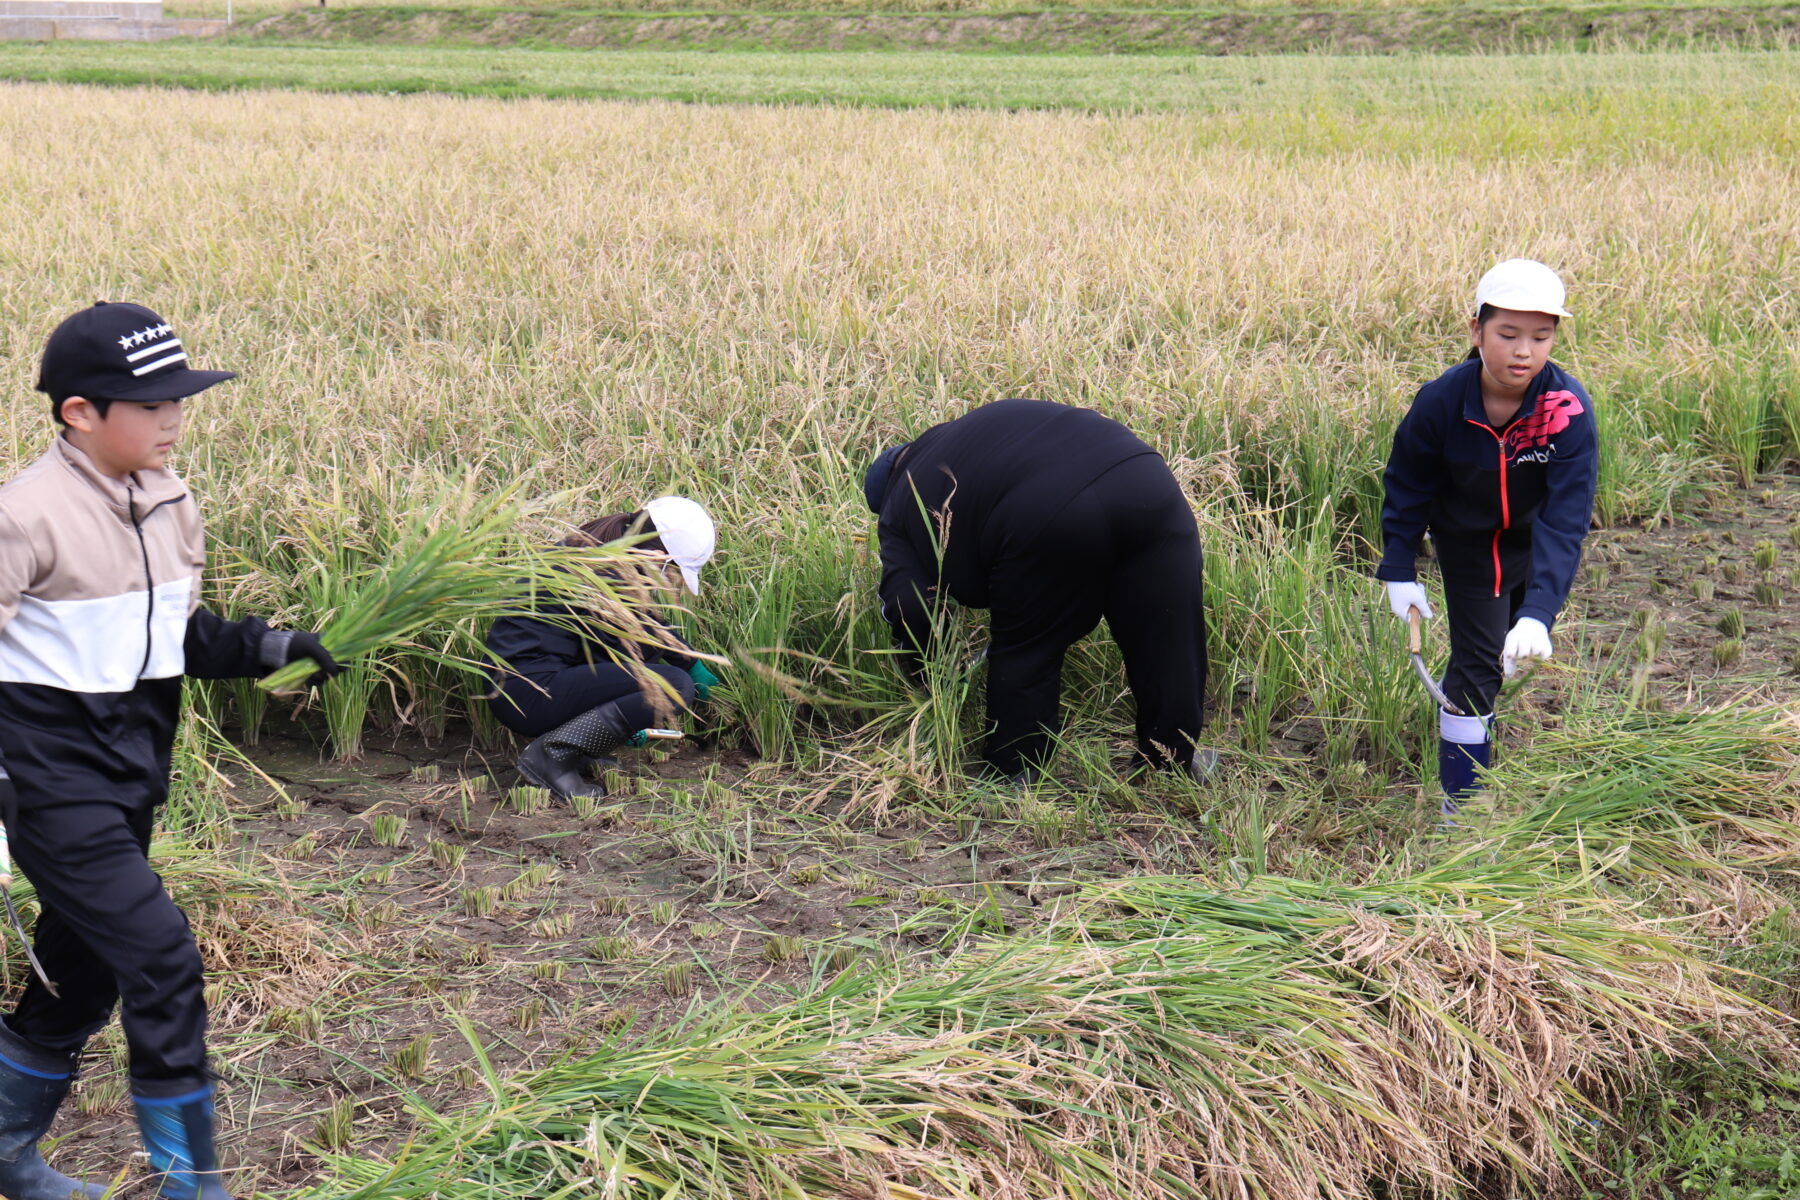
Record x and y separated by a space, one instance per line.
101 555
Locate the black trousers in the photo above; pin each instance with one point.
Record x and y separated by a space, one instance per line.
536 706
109 934
1479 622
1126 549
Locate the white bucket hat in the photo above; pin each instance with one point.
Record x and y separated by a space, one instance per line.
686 533
1523 286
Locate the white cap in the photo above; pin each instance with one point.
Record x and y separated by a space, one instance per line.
1523 286
686 533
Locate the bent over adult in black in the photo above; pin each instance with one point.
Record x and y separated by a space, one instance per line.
1051 517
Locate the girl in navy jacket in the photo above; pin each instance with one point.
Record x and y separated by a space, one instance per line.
1497 460
578 691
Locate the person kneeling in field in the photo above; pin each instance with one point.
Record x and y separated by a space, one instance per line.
580 692
1497 458
101 557
1051 517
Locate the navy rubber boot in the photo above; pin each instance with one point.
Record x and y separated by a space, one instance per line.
1464 749
33 1083
178 1133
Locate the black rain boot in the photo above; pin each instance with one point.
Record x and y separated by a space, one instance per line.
178 1133
33 1083
556 760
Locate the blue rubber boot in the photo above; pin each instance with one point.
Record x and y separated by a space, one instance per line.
1464 749
178 1133
33 1083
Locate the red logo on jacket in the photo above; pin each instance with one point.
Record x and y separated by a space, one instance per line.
1554 412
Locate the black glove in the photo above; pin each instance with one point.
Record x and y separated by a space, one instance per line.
308 645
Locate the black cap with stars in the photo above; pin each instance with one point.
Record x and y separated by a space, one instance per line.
120 352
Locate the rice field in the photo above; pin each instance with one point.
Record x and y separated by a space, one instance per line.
1253 263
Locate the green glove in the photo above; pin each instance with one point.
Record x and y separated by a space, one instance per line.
704 680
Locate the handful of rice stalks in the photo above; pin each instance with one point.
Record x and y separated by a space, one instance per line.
464 560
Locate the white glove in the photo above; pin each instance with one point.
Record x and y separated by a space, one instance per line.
1528 640
1405 596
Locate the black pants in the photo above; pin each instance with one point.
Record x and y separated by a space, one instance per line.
1126 549
109 934
536 706
1479 622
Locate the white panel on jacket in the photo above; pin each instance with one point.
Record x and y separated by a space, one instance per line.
97 645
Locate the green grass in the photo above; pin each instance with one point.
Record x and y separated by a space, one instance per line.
1227 29
1697 99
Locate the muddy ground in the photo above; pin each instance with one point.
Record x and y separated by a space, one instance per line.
369 907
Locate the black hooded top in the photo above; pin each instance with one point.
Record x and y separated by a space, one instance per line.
976 486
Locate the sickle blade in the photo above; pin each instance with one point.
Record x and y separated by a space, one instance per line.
25 941
1431 685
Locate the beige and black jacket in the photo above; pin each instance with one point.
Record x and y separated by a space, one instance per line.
100 617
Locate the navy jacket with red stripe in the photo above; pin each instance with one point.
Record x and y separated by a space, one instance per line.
1501 504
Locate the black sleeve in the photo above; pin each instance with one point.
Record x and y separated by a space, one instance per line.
221 649
681 660
1414 475
909 586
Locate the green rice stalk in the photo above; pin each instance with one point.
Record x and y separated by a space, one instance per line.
459 561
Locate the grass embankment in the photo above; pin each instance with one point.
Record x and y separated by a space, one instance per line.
1355 29
979 8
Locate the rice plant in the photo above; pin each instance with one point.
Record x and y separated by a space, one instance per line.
782 947
337 1125
527 882
553 928
528 801
611 949
457 561
388 829
527 1016
590 808
412 1060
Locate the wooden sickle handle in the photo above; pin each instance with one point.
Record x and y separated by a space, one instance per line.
1412 630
